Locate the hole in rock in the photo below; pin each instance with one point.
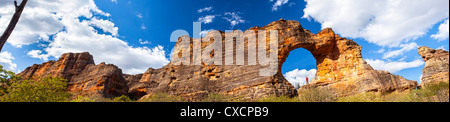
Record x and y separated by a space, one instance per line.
299 66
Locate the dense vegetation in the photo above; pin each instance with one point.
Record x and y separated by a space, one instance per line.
46 89
14 89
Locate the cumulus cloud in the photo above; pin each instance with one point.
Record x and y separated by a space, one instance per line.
60 19
404 48
105 25
6 61
35 23
278 4
383 22
207 19
38 54
394 66
233 18
443 32
298 77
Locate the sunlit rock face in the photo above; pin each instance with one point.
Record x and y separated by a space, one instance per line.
84 77
339 62
436 66
340 67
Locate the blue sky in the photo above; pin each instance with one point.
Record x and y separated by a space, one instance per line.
138 31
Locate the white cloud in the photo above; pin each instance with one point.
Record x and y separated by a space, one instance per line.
6 61
299 76
139 15
383 22
404 48
114 1
278 4
394 66
143 27
61 19
38 54
205 9
234 18
35 23
207 19
420 78
143 42
105 25
381 50
443 32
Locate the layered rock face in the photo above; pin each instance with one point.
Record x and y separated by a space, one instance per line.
84 77
339 62
340 66
436 66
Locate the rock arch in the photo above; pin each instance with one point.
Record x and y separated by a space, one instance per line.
339 62
302 60
340 66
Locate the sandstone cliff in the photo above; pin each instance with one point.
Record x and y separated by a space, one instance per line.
339 62
84 77
436 66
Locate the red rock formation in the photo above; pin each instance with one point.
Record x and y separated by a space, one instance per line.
84 77
436 66
339 62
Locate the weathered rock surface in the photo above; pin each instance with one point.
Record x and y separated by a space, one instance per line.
339 62
436 66
340 66
84 77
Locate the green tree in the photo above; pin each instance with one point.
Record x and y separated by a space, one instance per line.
5 80
44 90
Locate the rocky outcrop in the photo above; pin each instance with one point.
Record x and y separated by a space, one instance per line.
339 62
340 66
436 66
84 77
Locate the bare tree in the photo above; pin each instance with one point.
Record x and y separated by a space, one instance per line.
12 23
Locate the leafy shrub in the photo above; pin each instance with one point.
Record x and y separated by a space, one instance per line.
5 80
122 98
44 90
82 99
